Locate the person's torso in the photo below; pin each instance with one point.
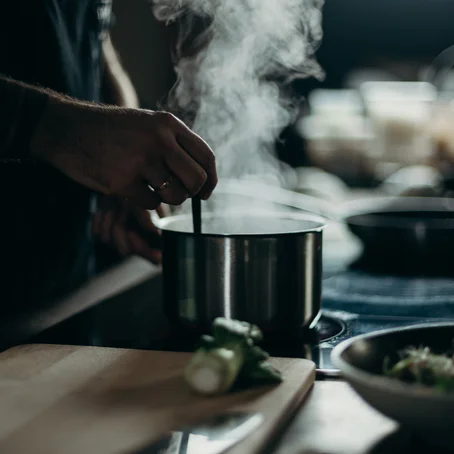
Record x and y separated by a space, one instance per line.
45 239
55 43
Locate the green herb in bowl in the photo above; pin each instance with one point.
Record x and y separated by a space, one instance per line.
421 366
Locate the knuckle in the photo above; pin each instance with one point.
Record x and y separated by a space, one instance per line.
211 159
197 183
166 118
210 164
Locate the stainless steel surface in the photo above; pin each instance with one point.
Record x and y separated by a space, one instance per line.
271 277
214 437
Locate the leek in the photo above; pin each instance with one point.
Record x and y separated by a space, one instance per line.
227 357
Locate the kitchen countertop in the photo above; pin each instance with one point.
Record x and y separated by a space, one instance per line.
333 420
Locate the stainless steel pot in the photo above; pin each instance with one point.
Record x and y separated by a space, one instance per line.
265 268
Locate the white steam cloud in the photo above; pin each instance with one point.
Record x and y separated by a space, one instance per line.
233 59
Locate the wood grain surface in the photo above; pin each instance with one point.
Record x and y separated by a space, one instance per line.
58 399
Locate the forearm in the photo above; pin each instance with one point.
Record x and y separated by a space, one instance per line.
21 108
43 125
117 86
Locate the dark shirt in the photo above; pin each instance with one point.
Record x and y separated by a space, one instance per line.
45 241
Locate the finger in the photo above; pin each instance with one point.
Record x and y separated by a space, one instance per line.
106 226
202 153
163 210
121 238
172 192
143 196
140 247
185 168
144 219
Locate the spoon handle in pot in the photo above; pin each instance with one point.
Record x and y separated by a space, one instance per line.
196 214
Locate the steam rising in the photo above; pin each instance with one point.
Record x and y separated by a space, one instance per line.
232 59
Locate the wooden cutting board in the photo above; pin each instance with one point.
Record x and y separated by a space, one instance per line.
58 399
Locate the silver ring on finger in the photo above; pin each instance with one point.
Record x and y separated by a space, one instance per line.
164 185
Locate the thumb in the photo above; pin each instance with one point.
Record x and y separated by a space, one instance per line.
144 219
163 210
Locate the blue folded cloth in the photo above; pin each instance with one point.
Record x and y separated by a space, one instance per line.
361 293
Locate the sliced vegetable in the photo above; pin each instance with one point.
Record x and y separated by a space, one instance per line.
229 356
213 371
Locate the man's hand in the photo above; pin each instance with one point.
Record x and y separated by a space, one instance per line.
146 157
130 230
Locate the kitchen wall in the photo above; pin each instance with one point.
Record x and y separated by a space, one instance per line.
357 33
383 34
143 44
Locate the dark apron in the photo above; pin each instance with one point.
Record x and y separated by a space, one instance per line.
45 242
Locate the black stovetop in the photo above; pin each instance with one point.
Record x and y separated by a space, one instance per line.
104 326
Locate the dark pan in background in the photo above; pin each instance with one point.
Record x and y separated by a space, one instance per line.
404 235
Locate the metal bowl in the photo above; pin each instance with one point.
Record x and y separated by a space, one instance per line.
426 412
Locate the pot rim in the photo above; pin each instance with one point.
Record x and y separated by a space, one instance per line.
319 224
